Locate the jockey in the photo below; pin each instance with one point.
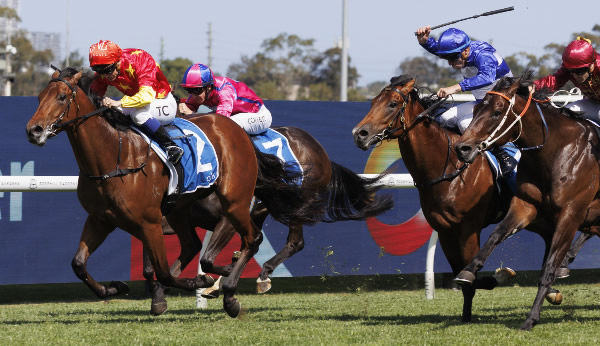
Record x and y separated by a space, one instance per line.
224 96
148 99
481 68
581 66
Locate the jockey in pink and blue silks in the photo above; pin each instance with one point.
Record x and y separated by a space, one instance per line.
224 96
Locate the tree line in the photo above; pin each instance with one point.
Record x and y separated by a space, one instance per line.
288 67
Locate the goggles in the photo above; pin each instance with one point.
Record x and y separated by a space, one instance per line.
579 71
104 69
194 91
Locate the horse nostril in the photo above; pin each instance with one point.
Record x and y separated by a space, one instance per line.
363 133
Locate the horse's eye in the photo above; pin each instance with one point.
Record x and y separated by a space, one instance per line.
496 114
393 104
62 97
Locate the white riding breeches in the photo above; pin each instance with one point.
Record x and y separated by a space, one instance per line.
458 116
163 110
254 123
589 108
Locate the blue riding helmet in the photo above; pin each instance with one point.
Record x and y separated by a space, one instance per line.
197 76
452 41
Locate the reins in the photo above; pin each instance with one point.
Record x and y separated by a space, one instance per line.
58 125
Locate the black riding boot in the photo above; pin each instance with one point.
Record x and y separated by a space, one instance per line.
507 162
174 153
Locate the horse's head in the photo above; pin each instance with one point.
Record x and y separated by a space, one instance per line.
386 113
495 121
56 104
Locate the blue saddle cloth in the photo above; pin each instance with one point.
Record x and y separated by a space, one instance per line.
199 161
274 143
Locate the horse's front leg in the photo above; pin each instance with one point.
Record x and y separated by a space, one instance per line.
222 234
152 238
565 230
295 243
520 214
95 231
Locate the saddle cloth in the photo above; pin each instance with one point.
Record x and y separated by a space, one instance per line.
274 143
199 161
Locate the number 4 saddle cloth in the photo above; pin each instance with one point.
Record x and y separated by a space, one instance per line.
199 162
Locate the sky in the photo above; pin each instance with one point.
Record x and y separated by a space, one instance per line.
380 32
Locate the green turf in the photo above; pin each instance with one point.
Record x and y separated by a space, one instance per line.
309 311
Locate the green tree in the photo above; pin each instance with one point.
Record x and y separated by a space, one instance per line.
173 70
289 67
31 67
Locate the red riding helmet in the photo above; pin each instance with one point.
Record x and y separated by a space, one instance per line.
104 53
578 54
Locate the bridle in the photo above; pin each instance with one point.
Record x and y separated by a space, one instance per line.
58 125
493 137
388 132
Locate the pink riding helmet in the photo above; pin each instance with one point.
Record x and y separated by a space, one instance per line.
197 76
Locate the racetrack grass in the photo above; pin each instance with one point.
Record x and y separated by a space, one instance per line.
332 311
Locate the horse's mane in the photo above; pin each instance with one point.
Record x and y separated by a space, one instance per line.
401 80
117 119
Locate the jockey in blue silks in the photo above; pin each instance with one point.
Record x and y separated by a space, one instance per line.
481 68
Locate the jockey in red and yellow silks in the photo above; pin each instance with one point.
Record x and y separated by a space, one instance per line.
224 96
148 99
581 66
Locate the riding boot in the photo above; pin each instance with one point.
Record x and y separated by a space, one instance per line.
506 161
174 152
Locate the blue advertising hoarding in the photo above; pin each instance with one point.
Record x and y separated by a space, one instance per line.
40 230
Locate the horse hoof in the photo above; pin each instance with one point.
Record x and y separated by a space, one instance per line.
562 273
504 274
263 286
118 287
464 278
554 297
233 309
205 280
158 308
527 325
212 291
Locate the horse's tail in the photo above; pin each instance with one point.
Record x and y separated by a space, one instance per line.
286 201
352 197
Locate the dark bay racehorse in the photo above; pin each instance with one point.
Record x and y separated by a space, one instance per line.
132 198
349 197
458 208
558 180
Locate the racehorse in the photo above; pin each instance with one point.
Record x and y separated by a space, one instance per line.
457 202
350 197
558 174
131 198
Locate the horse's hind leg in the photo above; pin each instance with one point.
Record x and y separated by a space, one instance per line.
295 243
94 233
563 271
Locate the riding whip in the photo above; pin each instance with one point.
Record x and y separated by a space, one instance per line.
489 13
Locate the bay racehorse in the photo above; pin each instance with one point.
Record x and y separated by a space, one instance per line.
558 179
349 197
131 198
457 202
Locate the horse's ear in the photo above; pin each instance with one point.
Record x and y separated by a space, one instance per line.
409 85
55 74
77 76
